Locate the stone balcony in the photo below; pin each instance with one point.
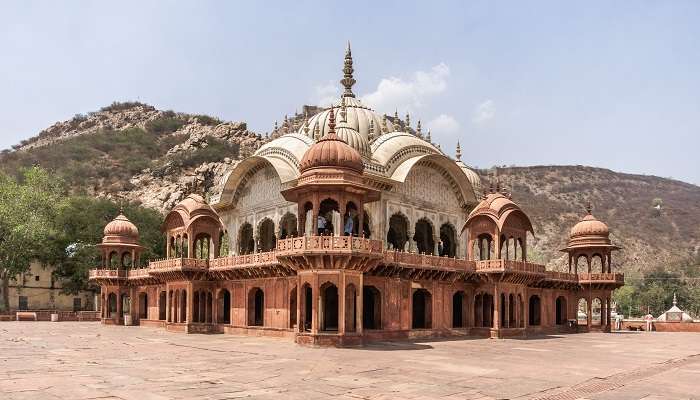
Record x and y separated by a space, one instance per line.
106 274
602 280
329 252
257 265
178 268
423 266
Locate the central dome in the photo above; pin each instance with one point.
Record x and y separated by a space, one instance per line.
358 117
331 151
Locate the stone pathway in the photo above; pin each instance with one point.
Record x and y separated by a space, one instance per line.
84 360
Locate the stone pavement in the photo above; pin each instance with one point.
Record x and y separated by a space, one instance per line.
86 360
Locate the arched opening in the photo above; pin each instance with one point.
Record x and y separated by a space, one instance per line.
293 308
371 308
458 309
582 312
288 226
448 237
143 305
266 234
511 311
197 305
209 309
126 259
114 260
202 246
483 310
246 243
170 316
307 307
504 247
596 307
126 304
351 220
560 306
185 246
397 236
161 306
183 306
328 217
485 242
350 308
256 307
422 307
504 317
224 244
172 243
597 263
224 307
309 224
521 309
328 311
112 305
423 237
366 231
534 310
581 264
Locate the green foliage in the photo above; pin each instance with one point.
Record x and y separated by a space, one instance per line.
653 292
215 150
207 120
81 221
168 123
28 205
126 105
101 159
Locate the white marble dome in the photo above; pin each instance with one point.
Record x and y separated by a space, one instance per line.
358 117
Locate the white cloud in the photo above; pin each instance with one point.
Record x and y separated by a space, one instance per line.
443 123
408 95
326 94
484 111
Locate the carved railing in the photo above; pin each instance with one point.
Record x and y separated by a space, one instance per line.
247 260
170 264
602 277
138 273
107 273
425 260
509 265
561 276
329 243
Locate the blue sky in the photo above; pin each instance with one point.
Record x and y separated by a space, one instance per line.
609 84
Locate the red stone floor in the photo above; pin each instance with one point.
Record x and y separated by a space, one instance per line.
86 360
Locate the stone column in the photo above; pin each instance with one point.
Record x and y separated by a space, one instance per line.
507 316
496 323
435 242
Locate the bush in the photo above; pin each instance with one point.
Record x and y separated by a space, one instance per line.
164 125
215 151
207 120
126 105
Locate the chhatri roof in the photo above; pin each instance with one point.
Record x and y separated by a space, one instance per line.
120 231
499 208
589 232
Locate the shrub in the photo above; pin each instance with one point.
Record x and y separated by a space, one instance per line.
126 105
207 120
164 125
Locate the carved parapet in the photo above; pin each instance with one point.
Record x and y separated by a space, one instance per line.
178 268
257 265
602 280
423 266
105 276
329 252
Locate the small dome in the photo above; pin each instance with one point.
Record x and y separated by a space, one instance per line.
589 226
121 226
472 177
193 203
358 116
354 139
331 151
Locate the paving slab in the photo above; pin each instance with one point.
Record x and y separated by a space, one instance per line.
87 360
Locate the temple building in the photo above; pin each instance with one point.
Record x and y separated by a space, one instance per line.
352 229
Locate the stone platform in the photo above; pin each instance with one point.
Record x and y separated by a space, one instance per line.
86 360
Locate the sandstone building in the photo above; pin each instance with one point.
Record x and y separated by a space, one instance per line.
354 229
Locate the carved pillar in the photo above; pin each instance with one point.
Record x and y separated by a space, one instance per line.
436 242
496 308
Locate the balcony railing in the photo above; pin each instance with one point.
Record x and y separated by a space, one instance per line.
425 260
509 265
329 243
107 273
172 264
600 277
561 276
138 273
247 260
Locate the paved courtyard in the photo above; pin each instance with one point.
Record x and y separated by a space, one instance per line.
42 360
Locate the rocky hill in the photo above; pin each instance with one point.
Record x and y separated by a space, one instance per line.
135 152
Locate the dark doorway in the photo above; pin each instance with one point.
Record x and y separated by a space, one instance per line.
329 300
458 310
371 308
422 305
256 307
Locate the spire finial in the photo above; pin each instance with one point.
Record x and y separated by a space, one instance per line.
419 130
458 152
408 122
331 122
674 299
589 207
383 127
317 133
275 128
121 209
348 80
428 137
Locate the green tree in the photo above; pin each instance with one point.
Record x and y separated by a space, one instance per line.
28 207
